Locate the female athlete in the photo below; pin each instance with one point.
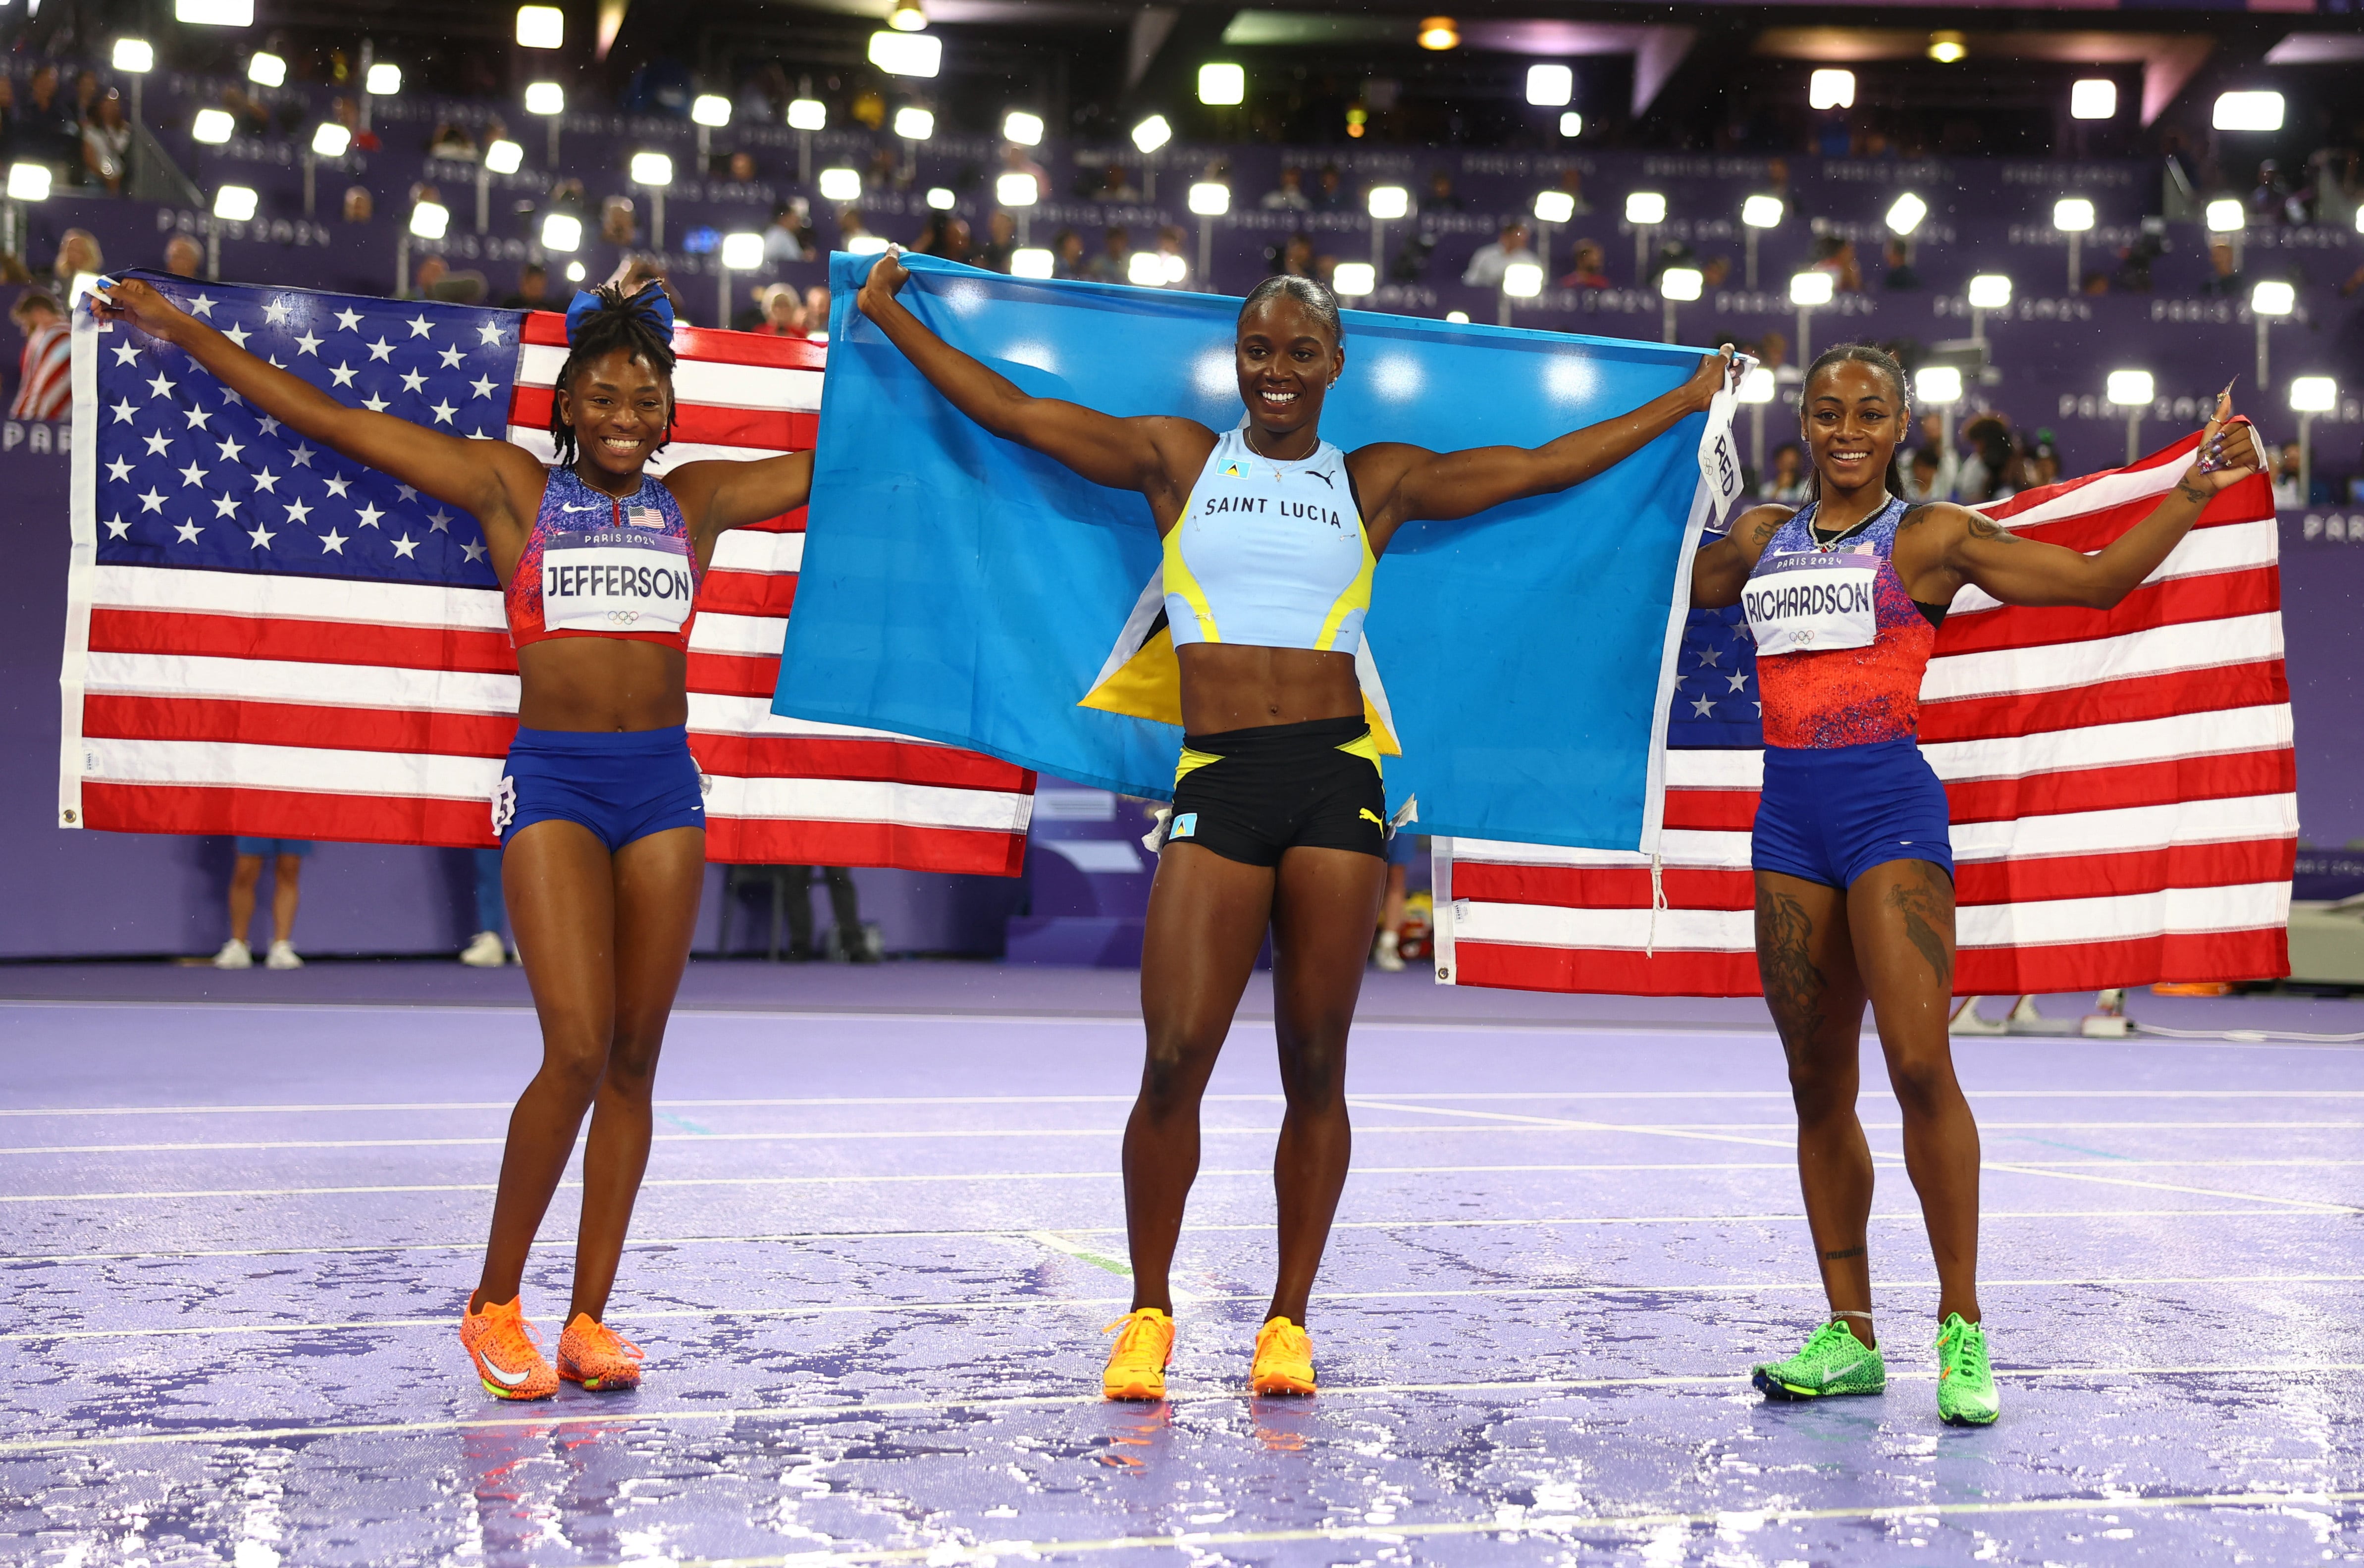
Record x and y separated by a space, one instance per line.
598 809
1279 818
1853 864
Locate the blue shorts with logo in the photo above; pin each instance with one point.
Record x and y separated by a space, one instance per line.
621 784
1830 814
267 848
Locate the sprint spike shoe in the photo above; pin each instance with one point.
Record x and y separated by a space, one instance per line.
1965 1385
1136 1364
507 1352
597 1357
1284 1358
1833 1361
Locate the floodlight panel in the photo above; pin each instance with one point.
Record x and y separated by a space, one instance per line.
28 182
1221 83
1389 202
385 79
1017 190
2248 111
2072 215
2314 394
915 124
866 244
1146 268
1550 86
331 139
1554 207
1152 133
1831 90
1990 291
841 185
1681 283
1571 123
1030 262
651 169
540 26
1810 288
215 12
1645 207
2094 98
711 110
2227 215
1018 125
1905 213
562 231
742 252
430 220
135 55
1208 198
2130 389
1762 212
544 98
267 69
1522 279
907 54
212 127
1354 279
502 156
237 202
1937 385
808 114
1756 386
2273 298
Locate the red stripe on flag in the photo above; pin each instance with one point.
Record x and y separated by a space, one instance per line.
734 674
322 726
1600 887
1612 970
828 757
281 638
547 329
707 424
2123 873
287 814
749 841
747 593
2105 702
2071 966
2126 784
1711 810
2178 601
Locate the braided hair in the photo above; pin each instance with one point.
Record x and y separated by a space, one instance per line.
619 323
1883 362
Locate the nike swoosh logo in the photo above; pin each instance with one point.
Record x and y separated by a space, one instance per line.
510 1378
1833 1377
564 507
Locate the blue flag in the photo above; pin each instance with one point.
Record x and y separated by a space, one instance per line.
962 588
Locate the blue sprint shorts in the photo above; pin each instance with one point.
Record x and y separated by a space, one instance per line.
1830 814
621 784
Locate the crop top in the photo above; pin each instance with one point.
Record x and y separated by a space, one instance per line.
1269 554
598 565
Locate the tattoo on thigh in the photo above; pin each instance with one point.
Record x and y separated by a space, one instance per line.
1794 985
1842 1253
1924 914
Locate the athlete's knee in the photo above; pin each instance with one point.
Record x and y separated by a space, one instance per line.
1821 1087
632 1062
1313 1068
574 1058
1924 1081
1175 1067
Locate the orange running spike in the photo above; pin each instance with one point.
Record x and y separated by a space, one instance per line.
595 1356
507 1352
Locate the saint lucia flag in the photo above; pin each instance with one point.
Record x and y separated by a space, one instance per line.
962 588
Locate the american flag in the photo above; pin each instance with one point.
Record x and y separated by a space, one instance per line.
263 638
2122 786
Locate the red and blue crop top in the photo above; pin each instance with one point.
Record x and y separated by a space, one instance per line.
600 565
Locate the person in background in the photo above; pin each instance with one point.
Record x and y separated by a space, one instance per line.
741 167
1834 254
1116 186
78 255
1786 482
1001 240
107 143
45 375
184 255
1440 197
48 130
784 312
532 290
1920 477
1114 263
952 239
791 237
1295 259
1591 270
1329 190
845 912
452 140
851 227
1067 254
1901 274
1989 465
2286 484
1019 160
2225 279
1941 452
816 313
1486 268
618 224
286 857
483 949
1174 265
1289 194
359 203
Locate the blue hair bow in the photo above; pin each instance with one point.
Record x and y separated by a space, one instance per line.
651 303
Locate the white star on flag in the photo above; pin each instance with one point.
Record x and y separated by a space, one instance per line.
261 536
202 305
188 532
420 326
238 335
298 511
349 321
382 349
118 527
307 344
192 474
276 312
332 542
230 447
344 374
405 548
266 480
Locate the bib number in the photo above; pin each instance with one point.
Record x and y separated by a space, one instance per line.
1809 602
616 580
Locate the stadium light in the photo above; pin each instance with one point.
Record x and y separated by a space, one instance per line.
2094 98
1032 262
1523 280
1458 318
385 79
866 244
651 169
915 125
1948 47
1018 125
562 231
907 16
544 98
1016 190
1645 208
2310 395
267 69
28 182
540 26
1550 86
215 12
331 139
1353 280
237 202
907 54
711 110
1438 33
2227 215
1220 83
840 185
502 156
1211 198
2131 390
1937 386
2272 298
941 198
1152 133
808 114
1677 286
1554 207
1905 213
740 252
2248 111
1389 202
2072 215
1811 289
1762 212
428 220
212 127
1571 124
137 56
575 273
1990 291
1831 90
1758 386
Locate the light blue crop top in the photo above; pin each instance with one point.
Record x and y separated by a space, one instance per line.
1269 554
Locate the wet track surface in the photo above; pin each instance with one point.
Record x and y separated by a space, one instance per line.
875 1252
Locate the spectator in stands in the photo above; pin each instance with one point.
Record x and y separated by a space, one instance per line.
1947 462
1289 194
431 272
452 140
2095 282
1571 181
2225 279
45 374
107 143
1786 482
2285 470
851 227
1990 473
1017 159
2269 196
952 238
532 290
1115 186
7 117
1001 239
784 312
252 118
816 313
46 130
1920 477
346 114
1901 274
78 255
1486 268
791 237
618 222
2043 463
1067 254
1329 190
1591 267
1114 264
246 874
567 196
1295 258
1834 254
1175 264
359 203
184 255
2339 187
741 167
484 950
1439 198
86 94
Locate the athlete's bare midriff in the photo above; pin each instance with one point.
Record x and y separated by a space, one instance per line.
601 683
1228 686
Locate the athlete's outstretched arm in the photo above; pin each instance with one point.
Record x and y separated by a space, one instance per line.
1720 571
1408 483
2027 572
492 478
723 495
1123 454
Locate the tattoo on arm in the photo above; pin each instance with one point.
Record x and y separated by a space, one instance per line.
1794 986
1926 916
1842 1253
2191 493
1987 528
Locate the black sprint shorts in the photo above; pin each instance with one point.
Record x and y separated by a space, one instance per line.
1250 793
